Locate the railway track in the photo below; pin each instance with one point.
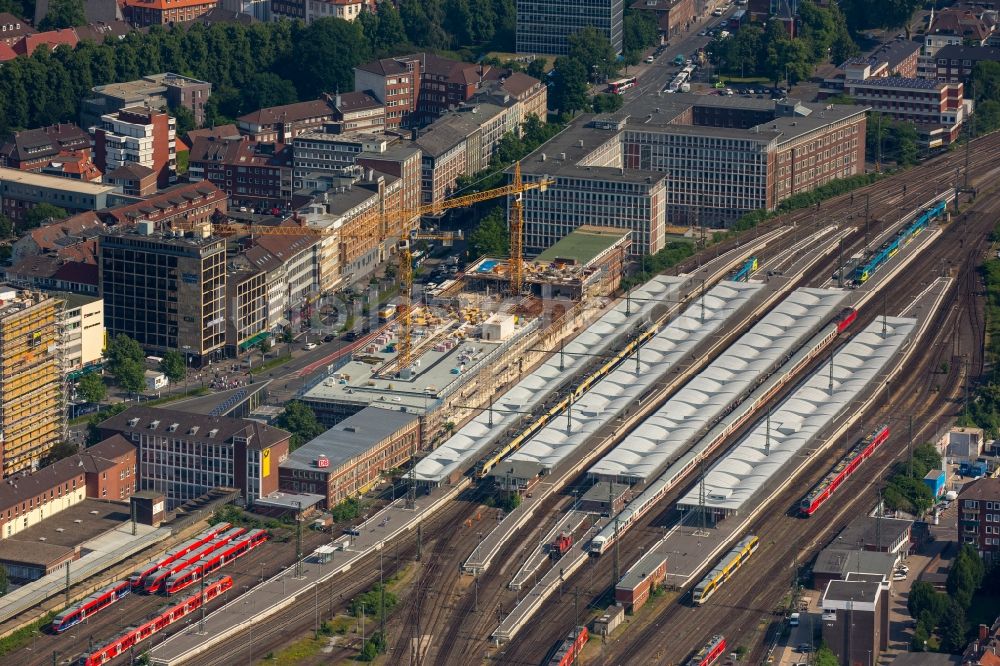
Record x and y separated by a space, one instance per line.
750 596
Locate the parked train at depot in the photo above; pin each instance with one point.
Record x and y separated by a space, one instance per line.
847 465
92 605
710 652
877 259
724 570
138 578
154 624
155 581
569 650
214 561
743 273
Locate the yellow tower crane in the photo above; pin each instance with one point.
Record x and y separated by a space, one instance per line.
515 189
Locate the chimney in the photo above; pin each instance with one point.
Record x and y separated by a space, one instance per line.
336 102
984 632
370 175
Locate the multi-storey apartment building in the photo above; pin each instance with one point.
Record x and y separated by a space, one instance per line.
253 175
81 328
164 289
347 10
953 26
20 191
31 150
955 63
32 414
281 124
184 205
137 135
12 29
545 27
358 111
979 517
319 151
164 12
184 455
290 269
724 156
156 91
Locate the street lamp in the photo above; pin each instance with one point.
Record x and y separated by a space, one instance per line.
187 365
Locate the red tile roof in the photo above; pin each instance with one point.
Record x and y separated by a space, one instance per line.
52 39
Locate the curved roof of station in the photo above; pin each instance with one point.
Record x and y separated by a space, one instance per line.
477 435
766 451
630 380
674 427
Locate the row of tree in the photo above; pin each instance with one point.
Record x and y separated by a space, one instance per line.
944 614
770 52
906 490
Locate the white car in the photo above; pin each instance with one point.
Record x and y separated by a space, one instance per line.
717 12
650 60
309 346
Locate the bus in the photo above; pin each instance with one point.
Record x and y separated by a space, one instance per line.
620 86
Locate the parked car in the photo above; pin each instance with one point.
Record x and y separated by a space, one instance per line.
650 60
309 346
329 337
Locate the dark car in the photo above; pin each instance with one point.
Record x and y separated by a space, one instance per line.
329 338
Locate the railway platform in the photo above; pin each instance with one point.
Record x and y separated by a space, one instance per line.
571 523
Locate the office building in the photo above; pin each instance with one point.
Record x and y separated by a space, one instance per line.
137 135
545 27
20 191
356 112
290 267
185 455
937 109
157 91
246 302
32 414
165 289
81 328
350 457
979 517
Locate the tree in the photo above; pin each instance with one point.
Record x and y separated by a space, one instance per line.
4 581
91 387
6 227
825 657
60 451
266 89
569 92
536 68
42 214
265 345
923 598
325 57
131 376
952 628
185 119
300 420
122 348
920 637
63 14
966 575
174 366
593 51
864 14
639 31
985 80
491 238
607 103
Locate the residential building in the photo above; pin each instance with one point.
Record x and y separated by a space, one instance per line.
247 307
27 45
257 176
185 455
290 9
281 124
444 157
526 94
134 180
290 270
52 272
418 88
350 457
12 29
163 92
185 206
106 471
165 290
31 150
855 620
403 161
979 517
20 191
228 131
955 63
898 57
672 16
952 26
725 157
545 27
53 237
162 12
75 165
347 10
937 109
137 135
32 417
357 111
81 328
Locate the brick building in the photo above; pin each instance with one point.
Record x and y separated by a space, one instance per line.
253 175
163 12
979 517
633 590
184 455
672 16
349 458
188 203
358 111
855 619
955 63
953 26
937 109
137 135
135 180
13 29
281 124
31 150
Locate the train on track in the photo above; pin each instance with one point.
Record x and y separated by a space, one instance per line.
847 465
743 273
155 581
154 624
877 259
214 561
710 652
569 650
725 569
138 578
92 605
659 487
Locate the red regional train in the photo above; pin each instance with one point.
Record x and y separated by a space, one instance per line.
710 653
569 649
95 603
139 576
841 471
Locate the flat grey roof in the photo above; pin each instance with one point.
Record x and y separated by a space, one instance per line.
350 438
840 561
844 590
646 565
600 492
868 529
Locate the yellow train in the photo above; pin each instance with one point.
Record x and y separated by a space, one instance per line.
724 570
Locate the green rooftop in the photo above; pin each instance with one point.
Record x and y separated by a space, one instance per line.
583 245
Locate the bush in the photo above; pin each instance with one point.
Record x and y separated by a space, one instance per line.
349 509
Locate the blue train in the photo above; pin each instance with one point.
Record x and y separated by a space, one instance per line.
745 271
889 249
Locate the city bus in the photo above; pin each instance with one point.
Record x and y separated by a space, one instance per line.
620 86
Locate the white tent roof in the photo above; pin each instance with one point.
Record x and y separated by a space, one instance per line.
735 479
627 383
477 436
673 428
